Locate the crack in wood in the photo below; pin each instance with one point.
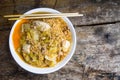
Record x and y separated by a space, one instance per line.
96 24
14 7
54 6
90 25
36 3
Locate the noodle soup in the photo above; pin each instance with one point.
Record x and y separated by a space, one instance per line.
42 42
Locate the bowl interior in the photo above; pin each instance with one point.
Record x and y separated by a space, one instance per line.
50 69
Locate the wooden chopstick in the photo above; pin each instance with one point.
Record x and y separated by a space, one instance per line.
45 17
40 14
37 16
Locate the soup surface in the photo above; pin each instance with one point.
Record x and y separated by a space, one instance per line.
42 42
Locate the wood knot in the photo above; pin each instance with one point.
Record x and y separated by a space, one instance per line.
109 38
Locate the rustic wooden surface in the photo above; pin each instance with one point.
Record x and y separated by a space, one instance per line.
97 56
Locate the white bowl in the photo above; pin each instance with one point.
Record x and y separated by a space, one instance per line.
50 69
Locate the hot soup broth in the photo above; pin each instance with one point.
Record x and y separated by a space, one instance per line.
42 42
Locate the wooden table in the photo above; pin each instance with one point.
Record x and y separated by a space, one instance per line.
97 56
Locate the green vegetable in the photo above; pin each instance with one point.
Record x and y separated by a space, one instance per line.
34 34
25 27
27 58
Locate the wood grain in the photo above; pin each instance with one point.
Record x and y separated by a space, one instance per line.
95 12
97 54
87 57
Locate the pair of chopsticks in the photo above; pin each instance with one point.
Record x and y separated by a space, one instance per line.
37 16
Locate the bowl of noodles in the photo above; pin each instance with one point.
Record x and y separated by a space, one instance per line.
42 46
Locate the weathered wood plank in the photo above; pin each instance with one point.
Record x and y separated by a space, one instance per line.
95 11
96 47
10 69
19 7
6 62
99 47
